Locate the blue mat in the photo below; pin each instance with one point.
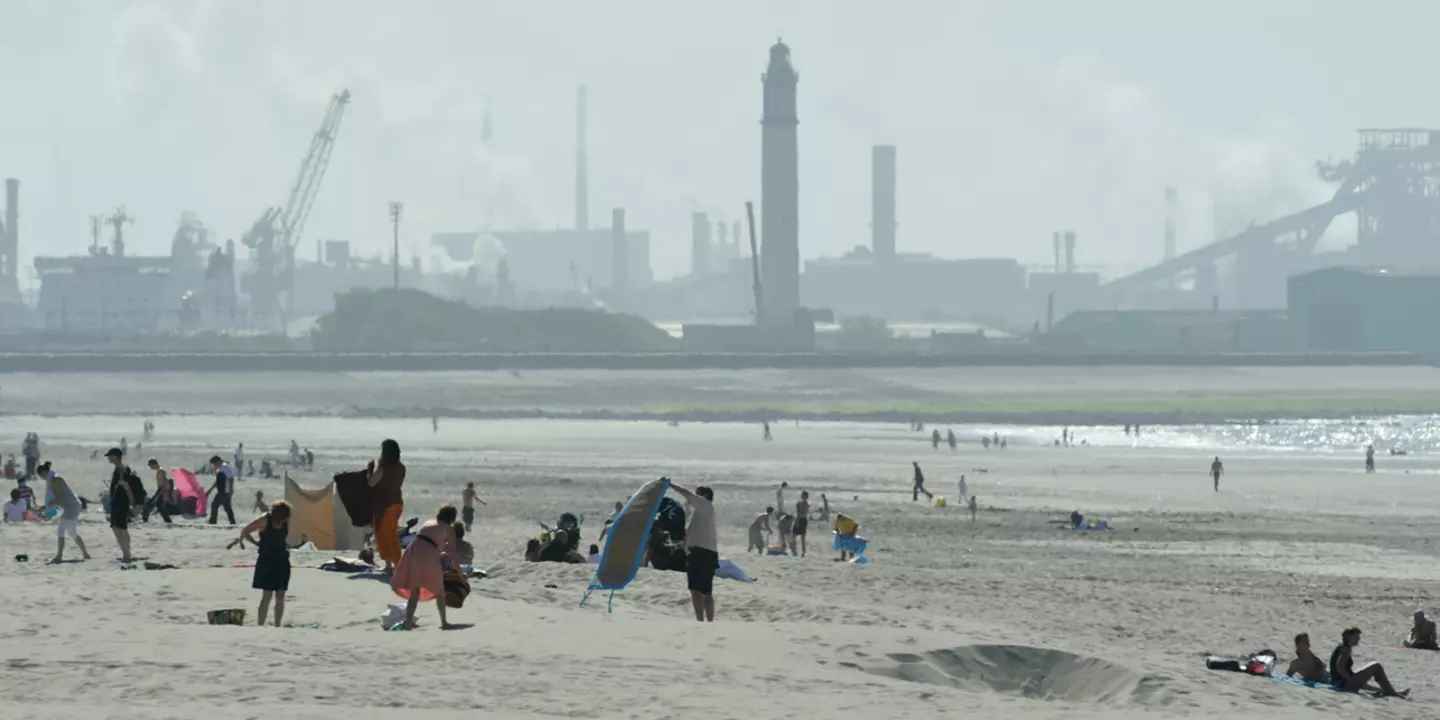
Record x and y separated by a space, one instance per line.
1286 680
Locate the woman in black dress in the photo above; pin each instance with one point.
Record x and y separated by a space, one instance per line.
272 566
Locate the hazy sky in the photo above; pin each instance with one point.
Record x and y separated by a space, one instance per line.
1013 118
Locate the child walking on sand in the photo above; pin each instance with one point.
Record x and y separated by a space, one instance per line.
272 564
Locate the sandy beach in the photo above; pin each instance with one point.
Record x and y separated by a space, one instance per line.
1011 615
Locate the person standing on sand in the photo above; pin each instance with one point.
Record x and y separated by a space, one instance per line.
164 496
468 500
224 489
962 495
1217 469
780 498
387 476
1369 458
63 498
704 550
767 437
919 485
802 519
974 505
121 500
259 502
420 574
272 564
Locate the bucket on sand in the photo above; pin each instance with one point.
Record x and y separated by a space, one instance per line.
233 616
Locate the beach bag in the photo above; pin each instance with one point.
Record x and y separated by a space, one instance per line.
457 588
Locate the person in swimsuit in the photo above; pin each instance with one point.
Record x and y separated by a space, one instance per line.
164 497
420 574
121 500
1422 635
1306 665
272 564
464 551
786 525
63 498
467 505
1344 676
802 519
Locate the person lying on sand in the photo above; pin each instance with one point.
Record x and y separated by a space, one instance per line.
1422 635
759 528
1344 675
1308 667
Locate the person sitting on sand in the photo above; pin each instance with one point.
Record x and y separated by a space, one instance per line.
532 550
15 509
464 551
259 501
420 574
272 564
593 557
1422 635
1344 676
558 550
1306 665
759 528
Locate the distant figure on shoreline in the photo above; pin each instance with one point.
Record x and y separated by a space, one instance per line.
1369 458
950 439
767 437
1217 469
935 438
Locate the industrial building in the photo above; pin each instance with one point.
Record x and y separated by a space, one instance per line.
551 263
1350 309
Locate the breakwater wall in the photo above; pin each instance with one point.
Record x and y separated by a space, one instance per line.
457 362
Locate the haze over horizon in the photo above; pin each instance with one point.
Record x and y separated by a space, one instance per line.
1012 119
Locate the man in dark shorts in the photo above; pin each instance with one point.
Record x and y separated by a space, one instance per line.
122 498
704 555
802 519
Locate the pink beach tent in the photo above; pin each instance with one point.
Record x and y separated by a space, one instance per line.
189 487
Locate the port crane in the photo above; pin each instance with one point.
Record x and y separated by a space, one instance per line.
274 236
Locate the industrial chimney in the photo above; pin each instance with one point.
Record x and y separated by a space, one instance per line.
722 246
699 244
882 203
10 245
619 253
1069 251
582 171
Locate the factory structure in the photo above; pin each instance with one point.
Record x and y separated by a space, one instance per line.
750 286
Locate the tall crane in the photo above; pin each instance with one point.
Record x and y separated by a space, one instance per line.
275 235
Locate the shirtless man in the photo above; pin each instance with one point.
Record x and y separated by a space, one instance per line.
759 528
1305 664
1422 635
1217 469
468 500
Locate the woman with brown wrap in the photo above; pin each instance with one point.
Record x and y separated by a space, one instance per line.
387 475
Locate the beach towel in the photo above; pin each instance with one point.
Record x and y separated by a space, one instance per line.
192 495
357 496
728 570
625 544
1287 680
851 544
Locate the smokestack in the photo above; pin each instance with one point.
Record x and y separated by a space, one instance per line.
722 246
1070 251
882 203
582 171
10 249
1056 240
619 253
699 244
1171 202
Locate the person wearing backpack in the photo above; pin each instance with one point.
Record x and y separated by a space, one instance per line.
122 498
